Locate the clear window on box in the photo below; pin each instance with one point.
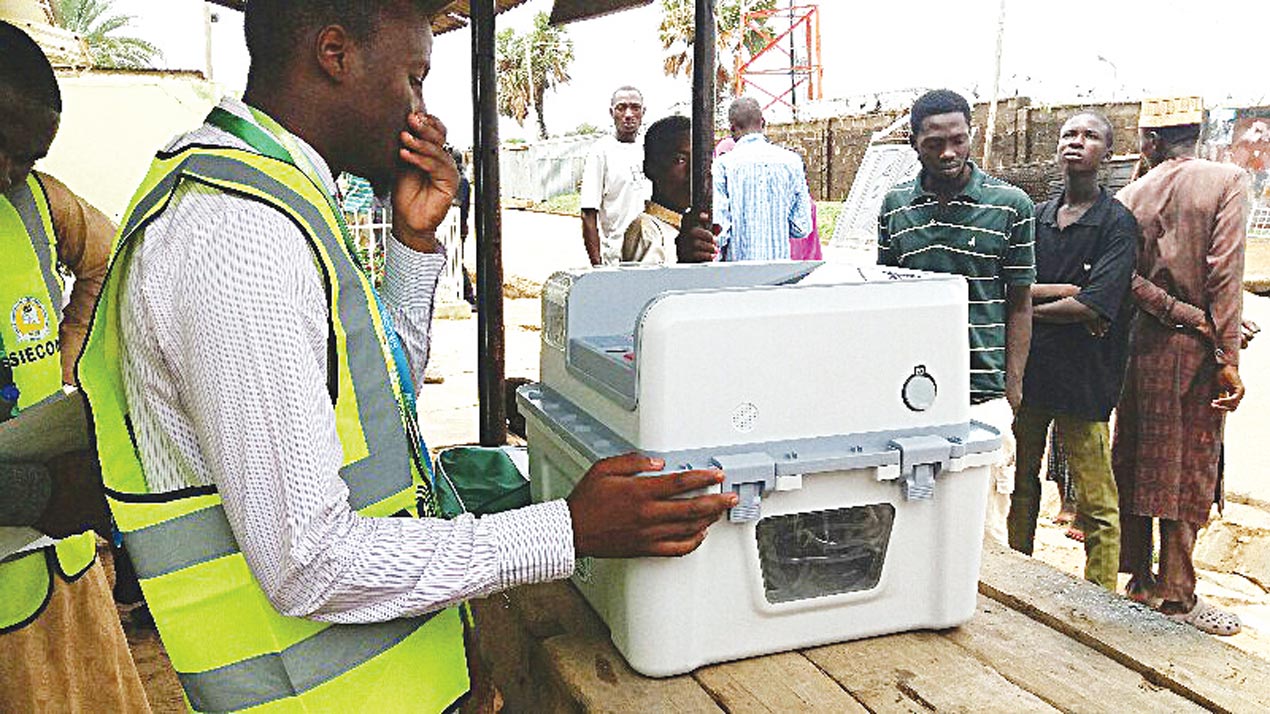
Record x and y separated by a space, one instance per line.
807 555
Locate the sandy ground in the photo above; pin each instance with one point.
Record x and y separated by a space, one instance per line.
536 245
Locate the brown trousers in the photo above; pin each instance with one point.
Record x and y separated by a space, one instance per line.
73 657
1176 580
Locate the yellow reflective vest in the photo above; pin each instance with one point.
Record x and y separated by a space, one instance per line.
30 312
231 649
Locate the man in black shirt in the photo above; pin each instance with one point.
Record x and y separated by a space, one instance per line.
1086 247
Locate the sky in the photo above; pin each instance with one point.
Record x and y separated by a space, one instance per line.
1060 54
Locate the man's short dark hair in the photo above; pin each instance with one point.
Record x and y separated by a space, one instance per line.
661 139
745 113
1179 135
25 71
625 88
1109 129
274 27
934 103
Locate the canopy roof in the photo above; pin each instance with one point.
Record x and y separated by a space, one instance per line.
453 15
565 11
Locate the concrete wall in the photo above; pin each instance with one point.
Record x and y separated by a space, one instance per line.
112 125
832 149
543 170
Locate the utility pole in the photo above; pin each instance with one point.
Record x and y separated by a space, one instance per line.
208 20
990 134
704 102
489 229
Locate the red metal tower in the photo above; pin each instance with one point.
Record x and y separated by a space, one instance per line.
788 64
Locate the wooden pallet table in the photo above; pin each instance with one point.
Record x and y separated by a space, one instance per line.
1040 641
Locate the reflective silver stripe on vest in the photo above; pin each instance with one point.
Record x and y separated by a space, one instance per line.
24 203
386 470
297 669
181 542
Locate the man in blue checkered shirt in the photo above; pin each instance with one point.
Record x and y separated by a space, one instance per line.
761 199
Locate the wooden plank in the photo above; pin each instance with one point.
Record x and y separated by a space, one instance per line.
549 652
921 672
1178 657
1056 668
506 650
786 682
599 681
557 608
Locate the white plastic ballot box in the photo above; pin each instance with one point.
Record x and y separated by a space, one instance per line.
835 399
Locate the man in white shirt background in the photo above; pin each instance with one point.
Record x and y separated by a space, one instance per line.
614 187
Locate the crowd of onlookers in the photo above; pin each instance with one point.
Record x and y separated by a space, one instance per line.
1085 306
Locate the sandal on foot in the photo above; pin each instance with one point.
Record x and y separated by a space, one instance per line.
1209 619
1075 534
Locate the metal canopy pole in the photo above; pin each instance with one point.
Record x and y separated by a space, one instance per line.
489 229
703 105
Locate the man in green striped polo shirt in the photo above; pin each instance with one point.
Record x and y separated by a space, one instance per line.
954 218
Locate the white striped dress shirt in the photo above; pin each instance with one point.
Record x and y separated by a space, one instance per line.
224 364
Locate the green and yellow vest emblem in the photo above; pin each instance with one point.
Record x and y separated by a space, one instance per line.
30 312
231 649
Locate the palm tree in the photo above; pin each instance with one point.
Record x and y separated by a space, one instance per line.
92 20
530 64
733 42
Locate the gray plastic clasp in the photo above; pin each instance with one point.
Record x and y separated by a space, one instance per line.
921 460
749 475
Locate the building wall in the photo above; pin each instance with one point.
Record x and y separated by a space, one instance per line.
545 169
112 125
832 149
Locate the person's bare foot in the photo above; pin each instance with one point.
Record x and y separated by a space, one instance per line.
1075 534
1142 591
1066 515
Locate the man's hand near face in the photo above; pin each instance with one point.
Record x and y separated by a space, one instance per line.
427 183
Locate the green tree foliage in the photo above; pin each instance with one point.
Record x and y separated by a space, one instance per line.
732 45
528 65
94 21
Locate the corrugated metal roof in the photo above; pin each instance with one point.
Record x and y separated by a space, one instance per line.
565 11
452 16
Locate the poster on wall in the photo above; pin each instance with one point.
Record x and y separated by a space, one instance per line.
1242 137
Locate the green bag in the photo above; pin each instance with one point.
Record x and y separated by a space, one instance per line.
482 480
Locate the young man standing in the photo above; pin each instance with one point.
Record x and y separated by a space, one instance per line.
255 407
613 185
1181 381
1086 245
667 158
761 200
954 218
62 643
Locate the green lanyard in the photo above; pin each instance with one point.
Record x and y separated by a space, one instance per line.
272 145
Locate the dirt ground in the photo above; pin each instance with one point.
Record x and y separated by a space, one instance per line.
1257 261
1243 596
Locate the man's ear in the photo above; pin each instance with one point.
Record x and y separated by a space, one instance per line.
333 48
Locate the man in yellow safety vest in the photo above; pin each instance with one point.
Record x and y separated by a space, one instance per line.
254 401
61 644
